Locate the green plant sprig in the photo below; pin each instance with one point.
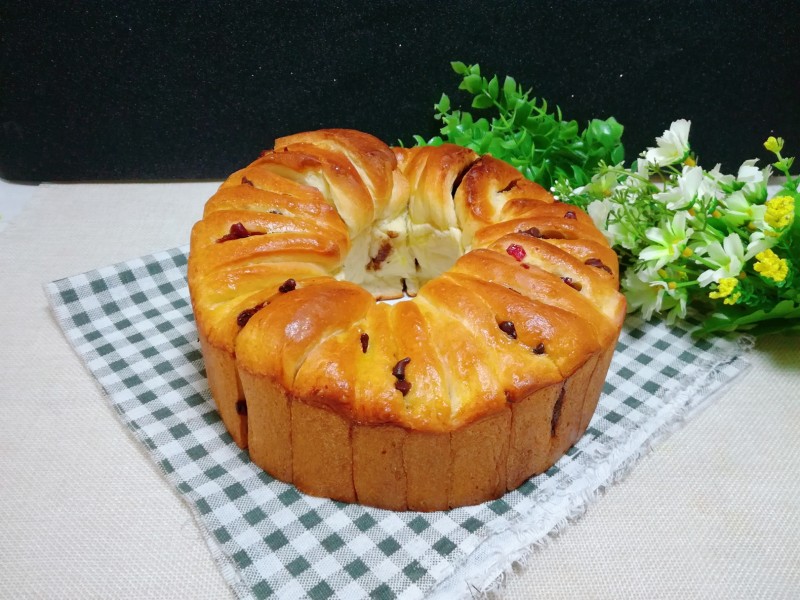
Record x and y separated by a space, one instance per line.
525 132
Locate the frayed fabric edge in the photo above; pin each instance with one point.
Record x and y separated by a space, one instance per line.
485 572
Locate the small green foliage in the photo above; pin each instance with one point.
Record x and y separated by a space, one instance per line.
525 132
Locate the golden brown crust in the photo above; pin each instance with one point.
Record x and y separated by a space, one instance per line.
486 378
269 440
529 435
478 457
426 457
379 471
322 453
225 388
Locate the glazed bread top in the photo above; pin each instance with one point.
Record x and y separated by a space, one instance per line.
512 290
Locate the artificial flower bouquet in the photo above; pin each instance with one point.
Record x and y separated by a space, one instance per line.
691 238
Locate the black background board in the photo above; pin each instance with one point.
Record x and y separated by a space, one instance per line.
153 90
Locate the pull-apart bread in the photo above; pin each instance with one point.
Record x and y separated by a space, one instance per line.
485 378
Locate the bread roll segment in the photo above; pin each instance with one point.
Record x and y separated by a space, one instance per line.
483 380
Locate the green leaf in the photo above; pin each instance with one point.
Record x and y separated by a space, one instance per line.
472 83
616 128
509 88
459 67
522 111
783 316
444 104
494 88
617 155
482 102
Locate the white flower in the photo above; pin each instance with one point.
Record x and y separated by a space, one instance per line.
680 297
603 213
728 257
719 178
739 210
683 194
642 293
642 178
670 240
645 291
754 180
749 172
672 146
709 187
602 184
758 243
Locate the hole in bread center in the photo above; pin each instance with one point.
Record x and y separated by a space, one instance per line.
394 258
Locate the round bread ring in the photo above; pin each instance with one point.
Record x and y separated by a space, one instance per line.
303 365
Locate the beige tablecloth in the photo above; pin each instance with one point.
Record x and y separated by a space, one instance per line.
712 512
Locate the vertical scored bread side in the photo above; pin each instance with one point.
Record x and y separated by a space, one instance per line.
379 471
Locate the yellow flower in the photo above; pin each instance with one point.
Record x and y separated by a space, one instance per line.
724 288
774 144
780 212
733 299
771 266
690 161
687 252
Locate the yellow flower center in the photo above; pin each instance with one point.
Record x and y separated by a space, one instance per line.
780 212
690 161
771 266
687 252
716 214
672 285
724 288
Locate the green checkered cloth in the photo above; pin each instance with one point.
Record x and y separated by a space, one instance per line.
132 324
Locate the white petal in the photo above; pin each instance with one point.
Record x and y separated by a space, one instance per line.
717 255
706 277
733 246
680 129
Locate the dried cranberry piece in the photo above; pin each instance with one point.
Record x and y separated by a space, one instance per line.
573 284
596 262
533 232
364 342
539 349
508 328
246 181
403 386
570 214
288 286
241 407
247 314
516 251
237 232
